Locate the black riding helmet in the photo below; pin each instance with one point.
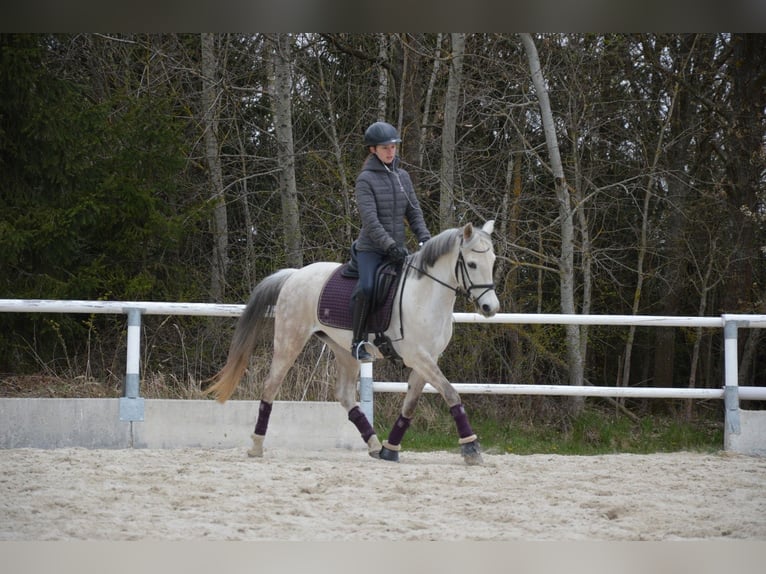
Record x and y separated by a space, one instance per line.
381 133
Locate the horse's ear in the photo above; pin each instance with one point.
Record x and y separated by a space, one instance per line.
489 227
467 231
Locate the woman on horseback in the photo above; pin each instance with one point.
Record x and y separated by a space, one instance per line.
385 198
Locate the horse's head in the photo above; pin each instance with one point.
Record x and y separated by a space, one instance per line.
475 267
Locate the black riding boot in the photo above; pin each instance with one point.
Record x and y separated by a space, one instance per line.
359 325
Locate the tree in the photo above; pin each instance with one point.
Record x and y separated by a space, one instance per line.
447 171
92 198
283 124
566 260
210 120
745 122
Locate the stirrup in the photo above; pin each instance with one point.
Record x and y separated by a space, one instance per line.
360 353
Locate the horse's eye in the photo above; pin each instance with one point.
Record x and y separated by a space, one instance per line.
472 265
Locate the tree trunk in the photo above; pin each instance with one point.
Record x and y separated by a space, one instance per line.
509 229
346 189
643 242
210 117
249 225
382 76
679 196
411 101
566 260
706 285
283 120
586 246
447 179
424 124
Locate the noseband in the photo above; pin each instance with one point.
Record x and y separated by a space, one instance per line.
462 275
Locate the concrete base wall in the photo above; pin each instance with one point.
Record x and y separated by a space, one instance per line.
752 436
95 423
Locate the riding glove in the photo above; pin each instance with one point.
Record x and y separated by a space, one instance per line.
396 254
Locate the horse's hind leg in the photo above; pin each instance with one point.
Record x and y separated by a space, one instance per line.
287 347
345 392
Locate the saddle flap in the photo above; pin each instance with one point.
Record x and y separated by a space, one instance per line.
351 269
385 277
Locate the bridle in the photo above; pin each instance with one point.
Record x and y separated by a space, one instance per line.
462 277
461 273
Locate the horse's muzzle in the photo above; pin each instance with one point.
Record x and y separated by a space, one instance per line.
487 310
487 303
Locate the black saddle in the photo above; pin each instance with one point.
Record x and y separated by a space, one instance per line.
385 276
335 300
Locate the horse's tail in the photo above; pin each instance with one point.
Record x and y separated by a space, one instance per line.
258 311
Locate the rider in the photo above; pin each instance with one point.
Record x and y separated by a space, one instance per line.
385 197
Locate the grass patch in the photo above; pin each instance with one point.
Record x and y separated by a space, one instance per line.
593 432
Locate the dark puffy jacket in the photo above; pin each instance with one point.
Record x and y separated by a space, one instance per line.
385 198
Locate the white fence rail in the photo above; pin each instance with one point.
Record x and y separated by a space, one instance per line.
132 406
734 321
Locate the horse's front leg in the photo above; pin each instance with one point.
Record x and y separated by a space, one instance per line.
469 442
393 444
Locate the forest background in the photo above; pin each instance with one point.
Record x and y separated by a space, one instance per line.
626 174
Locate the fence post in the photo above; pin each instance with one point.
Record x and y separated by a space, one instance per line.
365 390
131 405
731 381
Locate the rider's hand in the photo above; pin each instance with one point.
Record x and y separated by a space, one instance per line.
396 254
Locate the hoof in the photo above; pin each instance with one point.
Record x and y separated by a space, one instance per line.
388 454
374 446
471 453
257 450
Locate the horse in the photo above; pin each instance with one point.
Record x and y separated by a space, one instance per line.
457 260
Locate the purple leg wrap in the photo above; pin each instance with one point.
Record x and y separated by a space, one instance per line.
397 431
264 412
360 421
461 420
